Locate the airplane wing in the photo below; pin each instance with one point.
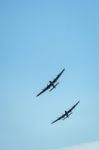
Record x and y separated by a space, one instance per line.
58 118
73 107
57 77
49 85
45 89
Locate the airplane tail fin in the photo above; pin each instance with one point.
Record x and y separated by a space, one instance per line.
54 87
69 114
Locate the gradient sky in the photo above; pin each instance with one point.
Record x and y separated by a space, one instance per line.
39 39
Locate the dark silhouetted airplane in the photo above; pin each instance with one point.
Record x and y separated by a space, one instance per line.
66 114
52 83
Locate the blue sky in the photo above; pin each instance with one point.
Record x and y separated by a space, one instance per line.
39 39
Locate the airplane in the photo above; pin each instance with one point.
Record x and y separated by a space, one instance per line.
66 114
51 84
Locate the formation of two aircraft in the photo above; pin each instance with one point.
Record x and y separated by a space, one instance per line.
52 84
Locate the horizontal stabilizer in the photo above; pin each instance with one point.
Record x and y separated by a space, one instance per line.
54 87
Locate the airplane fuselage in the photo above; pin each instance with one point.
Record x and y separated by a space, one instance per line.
66 114
52 84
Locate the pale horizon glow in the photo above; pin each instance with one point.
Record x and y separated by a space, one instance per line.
84 146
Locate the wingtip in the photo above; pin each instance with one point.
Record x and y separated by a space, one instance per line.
38 94
64 69
78 102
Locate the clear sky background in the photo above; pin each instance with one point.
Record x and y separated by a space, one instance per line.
39 38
